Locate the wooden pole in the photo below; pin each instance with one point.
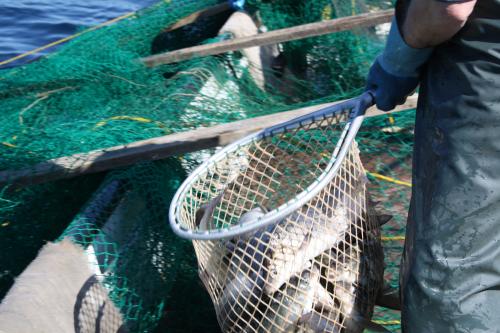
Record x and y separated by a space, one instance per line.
271 37
159 148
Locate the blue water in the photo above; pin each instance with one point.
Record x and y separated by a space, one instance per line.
26 25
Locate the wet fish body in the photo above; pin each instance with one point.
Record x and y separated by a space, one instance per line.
204 214
355 277
273 283
299 239
245 279
295 301
239 301
314 322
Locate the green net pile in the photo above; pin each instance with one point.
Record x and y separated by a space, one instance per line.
94 93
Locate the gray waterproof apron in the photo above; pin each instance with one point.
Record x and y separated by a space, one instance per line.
450 277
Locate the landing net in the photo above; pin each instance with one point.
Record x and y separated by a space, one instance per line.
93 94
318 267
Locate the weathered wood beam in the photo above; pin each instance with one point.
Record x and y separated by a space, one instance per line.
272 37
160 147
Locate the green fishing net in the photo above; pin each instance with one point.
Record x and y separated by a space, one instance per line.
94 93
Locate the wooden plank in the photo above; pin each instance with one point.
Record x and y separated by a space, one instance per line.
160 147
272 37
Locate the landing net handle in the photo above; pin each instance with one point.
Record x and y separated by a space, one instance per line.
185 229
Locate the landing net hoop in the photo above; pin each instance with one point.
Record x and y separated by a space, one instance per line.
183 210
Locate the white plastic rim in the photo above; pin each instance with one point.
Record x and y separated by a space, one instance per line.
358 106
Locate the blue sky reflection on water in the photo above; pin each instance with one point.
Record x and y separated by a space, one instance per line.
26 25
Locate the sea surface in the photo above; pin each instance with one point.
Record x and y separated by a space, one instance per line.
26 25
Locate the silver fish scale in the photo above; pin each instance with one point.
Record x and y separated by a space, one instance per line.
298 240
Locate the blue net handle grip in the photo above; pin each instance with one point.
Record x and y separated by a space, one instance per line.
364 101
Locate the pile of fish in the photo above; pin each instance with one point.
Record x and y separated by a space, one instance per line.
318 270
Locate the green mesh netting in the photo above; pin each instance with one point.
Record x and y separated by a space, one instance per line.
386 145
94 93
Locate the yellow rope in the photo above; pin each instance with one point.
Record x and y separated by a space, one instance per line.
379 176
389 179
8 144
65 39
137 119
326 13
387 322
393 238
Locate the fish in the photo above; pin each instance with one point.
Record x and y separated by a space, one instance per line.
328 319
354 275
348 194
213 265
251 215
352 195
219 252
295 301
239 301
377 219
204 214
300 238
318 322
246 276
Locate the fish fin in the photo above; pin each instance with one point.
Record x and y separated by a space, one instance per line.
263 208
305 318
305 242
204 214
323 299
388 297
383 219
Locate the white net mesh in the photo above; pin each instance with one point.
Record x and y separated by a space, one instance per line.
318 269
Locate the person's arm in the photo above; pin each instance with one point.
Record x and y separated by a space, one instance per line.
430 22
418 26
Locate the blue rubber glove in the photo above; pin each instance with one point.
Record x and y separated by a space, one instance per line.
237 4
395 74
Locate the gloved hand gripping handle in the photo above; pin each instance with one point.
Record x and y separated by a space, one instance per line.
395 74
365 101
